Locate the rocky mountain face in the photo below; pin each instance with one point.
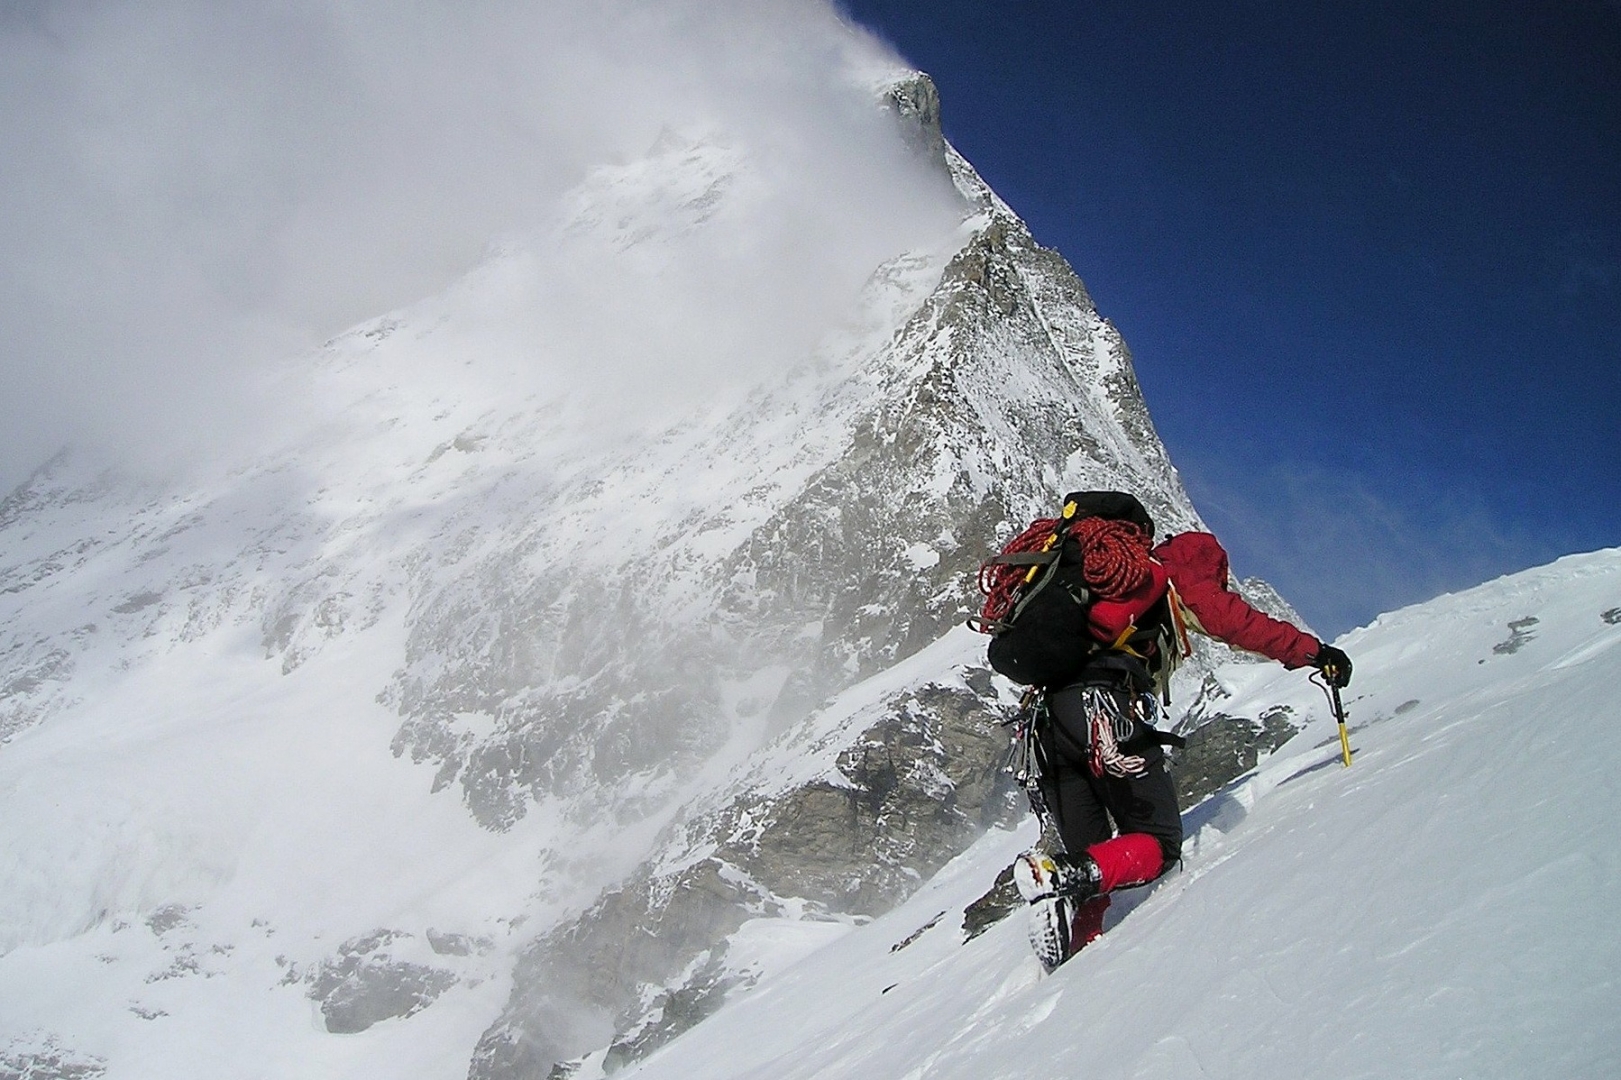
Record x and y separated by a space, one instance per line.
1002 390
727 655
1001 385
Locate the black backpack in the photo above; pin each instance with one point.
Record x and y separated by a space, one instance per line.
1037 601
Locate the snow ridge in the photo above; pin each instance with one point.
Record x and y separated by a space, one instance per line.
1435 910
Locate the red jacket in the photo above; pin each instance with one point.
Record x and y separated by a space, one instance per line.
1197 566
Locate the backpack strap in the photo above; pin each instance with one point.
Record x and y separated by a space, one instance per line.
1179 620
1038 579
1024 558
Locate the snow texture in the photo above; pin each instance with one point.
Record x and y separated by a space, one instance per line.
1440 909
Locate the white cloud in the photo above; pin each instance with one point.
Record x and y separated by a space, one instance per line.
193 188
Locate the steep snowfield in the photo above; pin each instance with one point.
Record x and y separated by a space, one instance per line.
1444 908
166 853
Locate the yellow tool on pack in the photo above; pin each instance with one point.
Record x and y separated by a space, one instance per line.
1069 512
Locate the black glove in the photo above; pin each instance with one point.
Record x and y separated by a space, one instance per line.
1334 664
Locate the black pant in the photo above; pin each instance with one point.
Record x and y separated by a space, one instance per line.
1082 804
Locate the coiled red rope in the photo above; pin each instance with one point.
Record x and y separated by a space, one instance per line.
1000 582
1115 555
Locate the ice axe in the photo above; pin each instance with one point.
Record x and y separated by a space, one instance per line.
1338 708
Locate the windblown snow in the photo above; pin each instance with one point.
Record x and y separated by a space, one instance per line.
310 758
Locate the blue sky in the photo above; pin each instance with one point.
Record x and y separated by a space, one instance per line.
1367 256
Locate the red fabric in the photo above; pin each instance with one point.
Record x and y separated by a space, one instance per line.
1086 925
1197 566
1108 619
1131 859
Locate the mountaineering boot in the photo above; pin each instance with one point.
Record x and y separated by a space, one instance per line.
1050 936
1040 875
1061 927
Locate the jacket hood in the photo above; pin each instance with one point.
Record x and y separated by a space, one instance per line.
1198 552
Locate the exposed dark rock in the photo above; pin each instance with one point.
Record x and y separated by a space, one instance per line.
363 985
1520 632
575 988
1000 901
27 681
916 103
918 787
185 963
915 934
46 1059
138 601
167 917
1225 748
674 1011
456 944
915 788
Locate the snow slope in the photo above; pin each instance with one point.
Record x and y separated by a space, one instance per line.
1441 909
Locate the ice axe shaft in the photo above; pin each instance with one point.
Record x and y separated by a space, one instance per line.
1332 692
1339 715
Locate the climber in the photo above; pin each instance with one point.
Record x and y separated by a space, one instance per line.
1101 757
